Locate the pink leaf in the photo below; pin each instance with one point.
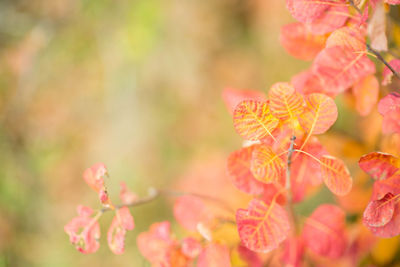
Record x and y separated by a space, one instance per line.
323 231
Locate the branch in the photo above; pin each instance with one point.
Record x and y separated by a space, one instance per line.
373 51
288 184
155 193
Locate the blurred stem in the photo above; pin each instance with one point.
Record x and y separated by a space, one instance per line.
370 49
155 193
289 186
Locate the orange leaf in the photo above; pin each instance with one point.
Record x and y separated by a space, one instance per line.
323 231
366 93
262 227
336 175
239 170
299 43
266 166
320 114
379 165
253 120
285 102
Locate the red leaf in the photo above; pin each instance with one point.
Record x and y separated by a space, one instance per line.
323 231
307 82
121 222
305 171
191 210
307 11
389 108
214 255
191 247
390 229
379 212
253 120
333 18
232 97
83 232
293 252
339 68
239 170
156 244
94 176
299 43
262 227
379 165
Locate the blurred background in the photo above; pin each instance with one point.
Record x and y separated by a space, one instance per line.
135 84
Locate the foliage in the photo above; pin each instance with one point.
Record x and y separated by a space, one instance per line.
282 162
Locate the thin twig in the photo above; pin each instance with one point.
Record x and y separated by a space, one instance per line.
155 193
288 183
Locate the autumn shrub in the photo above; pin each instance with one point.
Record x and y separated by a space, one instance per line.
283 163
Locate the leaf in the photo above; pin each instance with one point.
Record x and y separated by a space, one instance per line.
339 67
156 244
388 74
319 115
266 166
379 212
379 165
307 82
305 171
190 211
307 11
293 252
323 231
262 227
285 102
299 43
127 197
389 108
336 175
253 120
94 176
390 229
122 222
214 255
333 18
389 103
366 92
239 170
191 247
83 232
232 97
377 28
352 38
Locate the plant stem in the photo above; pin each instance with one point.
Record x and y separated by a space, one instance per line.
155 193
288 184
